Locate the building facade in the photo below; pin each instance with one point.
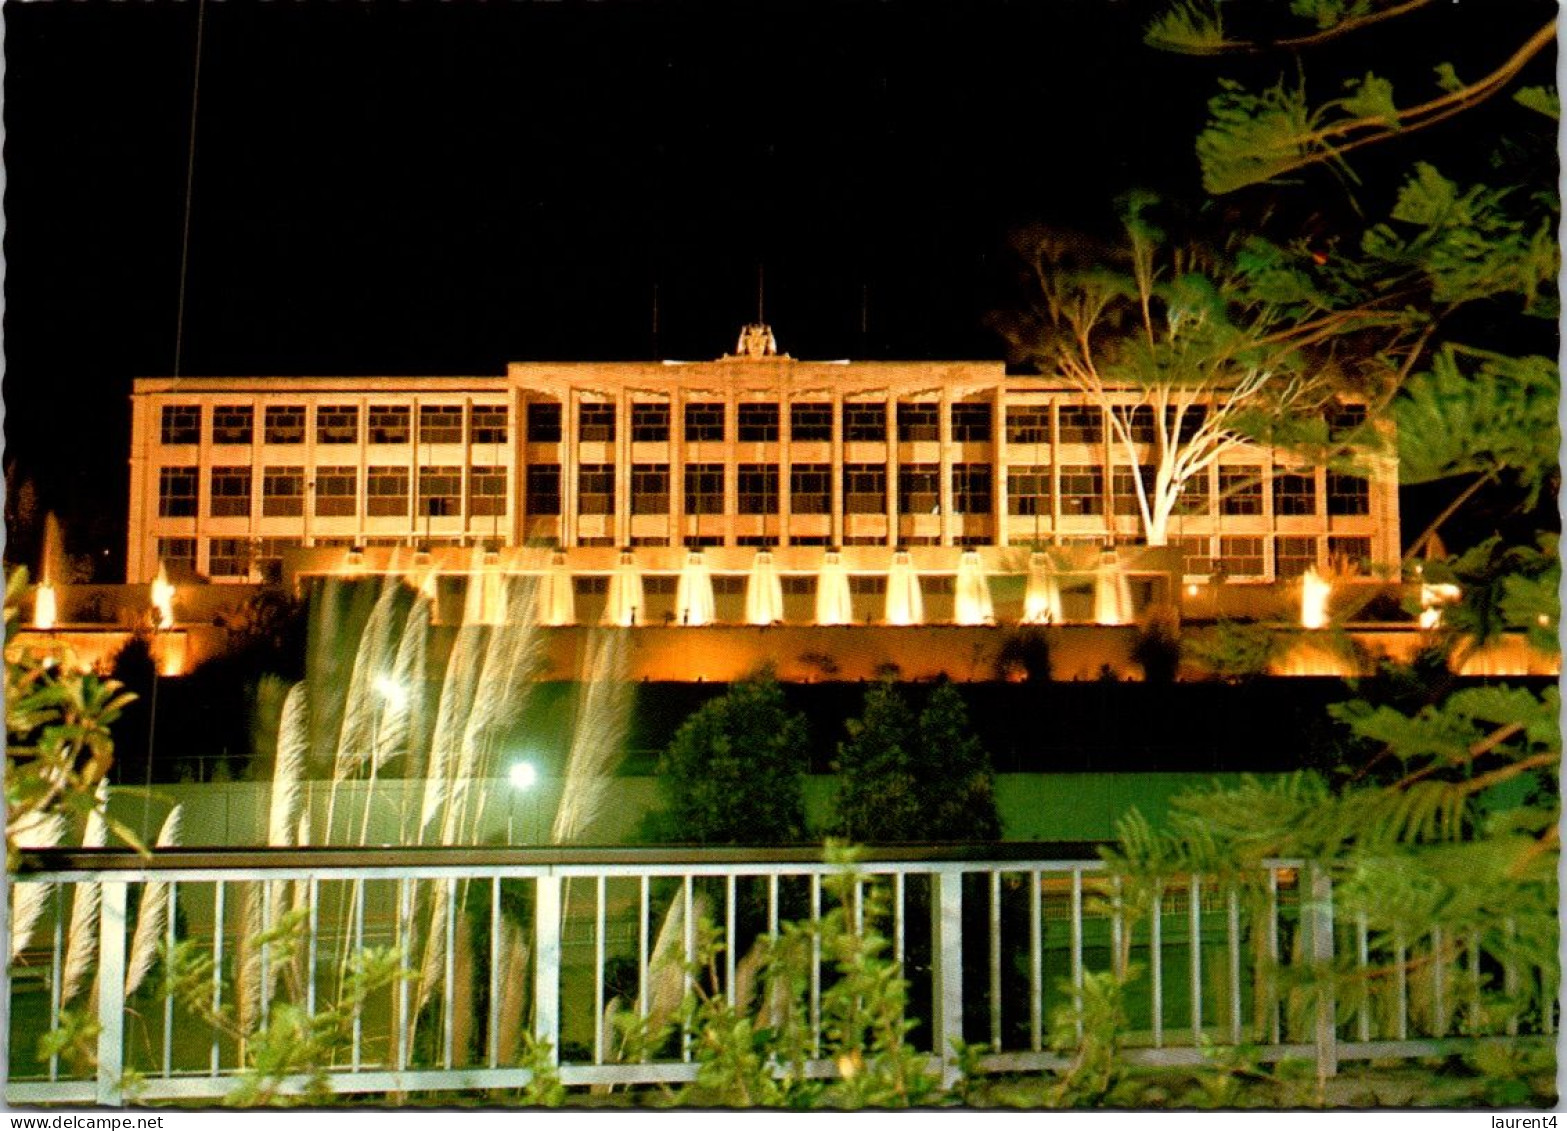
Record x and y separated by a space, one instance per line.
753 450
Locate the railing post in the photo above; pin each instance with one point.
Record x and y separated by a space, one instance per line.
946 932
111 994
1320 919
546 964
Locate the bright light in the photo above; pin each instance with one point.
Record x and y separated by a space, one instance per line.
45 611
1191 590
162 599
393 692
1314 593
523 775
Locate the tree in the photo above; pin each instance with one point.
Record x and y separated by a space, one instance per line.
734 772
1192 350
905 778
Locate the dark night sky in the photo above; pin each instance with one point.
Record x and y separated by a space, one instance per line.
412 188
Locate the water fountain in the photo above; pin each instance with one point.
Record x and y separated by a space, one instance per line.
1042 598
1314 593
694 592
626 603
971 601
763 591
833 602
1112 591
162 600
557 596
46 613
904 603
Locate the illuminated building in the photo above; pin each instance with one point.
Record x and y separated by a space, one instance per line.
753 451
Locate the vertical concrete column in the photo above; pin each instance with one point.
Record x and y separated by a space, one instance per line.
203 487
416 441
257 477
465 475
569 464
677 466
362 471
623 467
517 434
894 529
731 507
140 542
546 965
837 469
999 462
944 433
785 462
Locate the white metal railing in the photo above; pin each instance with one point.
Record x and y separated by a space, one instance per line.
490 938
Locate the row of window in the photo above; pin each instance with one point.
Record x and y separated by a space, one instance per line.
1231 555
440 490
335 424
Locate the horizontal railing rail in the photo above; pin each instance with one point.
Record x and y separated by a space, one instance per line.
570 945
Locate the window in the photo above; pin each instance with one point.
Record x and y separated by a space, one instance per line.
865 422
868 585
233 424
865 488
919 488
1028 424
176 492
650 424
797 585
810 488
1345 418
728 585
389 424
1082 489
650 485
229 496
1192 418
1193 497
337 492
762 541
440 424
1242 556
283 492
971 488
938 584
440 490
704 422
919 422
337 424
228 557
1123 489
971 422
178 554
649 540
759 423
1240 490
704 488
596 422
1348 494
660 584
269 558
1350 553
808 540
487 491
542 488
489 423
284 424
181 424
1139 422
387 491
544 423
1293 556
590 585
758 483
596 488
1294 492
810 420
697 541
1196 555
1028 490
1081 424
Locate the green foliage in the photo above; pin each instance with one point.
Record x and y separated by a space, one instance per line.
58 745
1503 588
734 771
905 778
293 1042
1231 650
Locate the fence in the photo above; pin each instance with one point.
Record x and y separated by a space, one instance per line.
993 949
